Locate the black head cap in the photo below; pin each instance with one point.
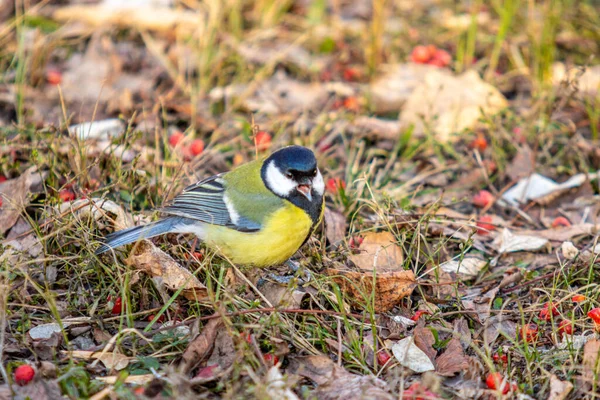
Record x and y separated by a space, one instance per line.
294 159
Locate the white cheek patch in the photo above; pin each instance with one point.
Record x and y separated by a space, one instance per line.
233 214
319 184
277 182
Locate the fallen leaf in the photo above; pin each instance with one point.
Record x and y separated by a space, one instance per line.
111 360
452 360
497 325
461 329
282 296
224 353
378 251
147 257
278 388
281 94
537 187
335 226
45 331
588 79
38 389
468 267
559 390
379 271
390 286
522 165
108 128
139 16
590 366
424 340
508 242
394 87
481 304
376 127
335 383
446 104
14 194
410 356
564 233
201 347
405 322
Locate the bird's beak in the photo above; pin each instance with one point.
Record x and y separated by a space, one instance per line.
305 187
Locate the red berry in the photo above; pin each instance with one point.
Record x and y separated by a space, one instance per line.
350 74
484 225
480 143
594 314
66 195
53 77
355 242
270 359
495 381
383 357
519 135
351 104
545 313
565 327
1 201
416 391
2 178
418 315
442 58
420 55
24 374
578 298
175 138
151 318
263 140
560 221
500 358
118 307
529 333
483 199
335 184
197 147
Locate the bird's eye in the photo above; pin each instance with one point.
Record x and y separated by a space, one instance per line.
289 175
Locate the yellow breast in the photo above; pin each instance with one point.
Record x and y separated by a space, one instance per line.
281 236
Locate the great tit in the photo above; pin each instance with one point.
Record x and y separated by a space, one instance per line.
258 214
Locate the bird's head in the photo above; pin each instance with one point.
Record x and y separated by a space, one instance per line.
292 173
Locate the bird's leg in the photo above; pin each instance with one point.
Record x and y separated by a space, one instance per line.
295 268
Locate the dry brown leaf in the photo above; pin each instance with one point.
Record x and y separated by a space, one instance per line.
559 390
390 286
522 165
282 296
15 197
335 226
389 92
411 356
447 104
462 331
424 340
335 383
588 79
380 272
378 251
202 346
562 234
375 127
38 389
481 304
224 353
452 360
590 366
147 257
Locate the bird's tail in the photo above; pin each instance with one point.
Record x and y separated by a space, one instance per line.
136 233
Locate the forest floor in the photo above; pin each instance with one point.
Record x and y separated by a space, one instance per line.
460 147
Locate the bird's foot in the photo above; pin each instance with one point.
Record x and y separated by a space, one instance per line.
301 275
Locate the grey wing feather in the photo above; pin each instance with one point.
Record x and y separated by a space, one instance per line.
204 201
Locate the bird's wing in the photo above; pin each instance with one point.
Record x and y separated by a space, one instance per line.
207 201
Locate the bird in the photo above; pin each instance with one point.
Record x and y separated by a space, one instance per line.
257 214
